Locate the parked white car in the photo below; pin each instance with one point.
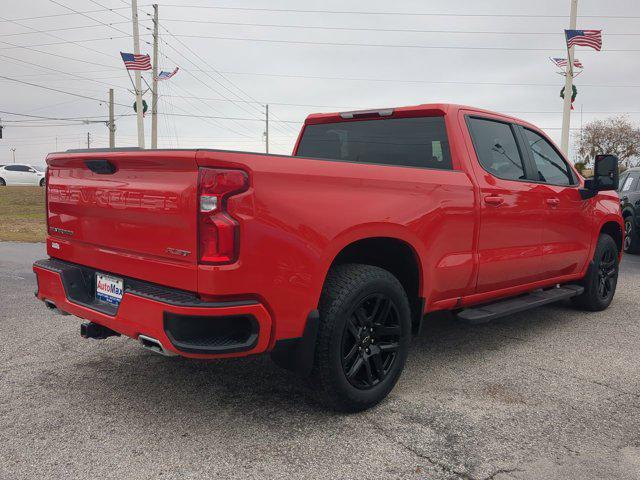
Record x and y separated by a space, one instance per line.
21 174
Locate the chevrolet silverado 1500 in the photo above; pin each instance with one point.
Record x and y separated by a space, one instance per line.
328 258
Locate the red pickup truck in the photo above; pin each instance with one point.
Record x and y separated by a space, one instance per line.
329 258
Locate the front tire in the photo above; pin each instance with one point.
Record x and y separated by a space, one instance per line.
2 182
363 337
602 277
42 182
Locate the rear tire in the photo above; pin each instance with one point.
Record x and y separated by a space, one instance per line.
602 277
363 337
631 240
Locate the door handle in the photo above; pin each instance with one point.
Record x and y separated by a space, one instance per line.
553 201
493 200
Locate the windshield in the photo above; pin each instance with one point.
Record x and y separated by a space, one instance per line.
411 142
38 169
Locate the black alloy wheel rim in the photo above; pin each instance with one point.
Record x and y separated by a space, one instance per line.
627 234
371 341
607 273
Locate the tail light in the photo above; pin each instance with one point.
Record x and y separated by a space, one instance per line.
218 231
46 195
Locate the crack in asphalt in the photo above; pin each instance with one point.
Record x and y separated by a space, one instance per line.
446 468
582 379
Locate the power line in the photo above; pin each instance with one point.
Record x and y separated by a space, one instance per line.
249 119
363 29
42 117
207 74
60 71
285 104
52 30
59 56
402 80
409 14
56 37
58 90
89 17
65 42
387 45
60 14
197 107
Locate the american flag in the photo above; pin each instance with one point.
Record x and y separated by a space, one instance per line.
586 38
562 62
166 75
136 62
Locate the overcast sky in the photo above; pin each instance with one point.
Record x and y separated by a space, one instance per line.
513 75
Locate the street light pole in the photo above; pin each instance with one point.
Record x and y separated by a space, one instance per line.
13 151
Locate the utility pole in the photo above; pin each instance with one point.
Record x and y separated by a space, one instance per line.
88 140
112 122
266 130
138 82
568 85
13 151
154 88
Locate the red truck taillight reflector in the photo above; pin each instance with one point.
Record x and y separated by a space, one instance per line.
218 231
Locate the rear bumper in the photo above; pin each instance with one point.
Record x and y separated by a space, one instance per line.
184 324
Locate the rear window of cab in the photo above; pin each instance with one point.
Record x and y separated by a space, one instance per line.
410 142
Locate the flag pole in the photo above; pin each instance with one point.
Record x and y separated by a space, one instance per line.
138 83
154 88
568 84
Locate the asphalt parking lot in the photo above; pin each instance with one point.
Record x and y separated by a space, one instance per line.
552 393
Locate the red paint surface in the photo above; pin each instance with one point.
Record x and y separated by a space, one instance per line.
298 214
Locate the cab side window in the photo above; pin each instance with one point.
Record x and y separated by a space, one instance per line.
496 148
551 167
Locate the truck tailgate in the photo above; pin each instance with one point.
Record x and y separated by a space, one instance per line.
128 213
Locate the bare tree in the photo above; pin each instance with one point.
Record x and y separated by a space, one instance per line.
615 135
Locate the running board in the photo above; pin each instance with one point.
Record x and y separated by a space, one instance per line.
486 313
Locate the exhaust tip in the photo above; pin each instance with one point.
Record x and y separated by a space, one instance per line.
154 345
53 307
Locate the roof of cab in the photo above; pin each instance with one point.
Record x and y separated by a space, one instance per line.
425 109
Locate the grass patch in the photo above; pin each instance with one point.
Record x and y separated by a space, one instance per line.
22 214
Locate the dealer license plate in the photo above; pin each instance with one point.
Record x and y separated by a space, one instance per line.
109 289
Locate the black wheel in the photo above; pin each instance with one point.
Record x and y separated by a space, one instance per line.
42 182
363 337
631 240
602 277
2 182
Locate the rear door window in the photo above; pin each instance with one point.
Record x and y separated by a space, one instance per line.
496 148
410 142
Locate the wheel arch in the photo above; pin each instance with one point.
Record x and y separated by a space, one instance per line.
615 231
394 254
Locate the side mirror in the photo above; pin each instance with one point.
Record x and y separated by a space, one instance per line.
605 176
605 173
